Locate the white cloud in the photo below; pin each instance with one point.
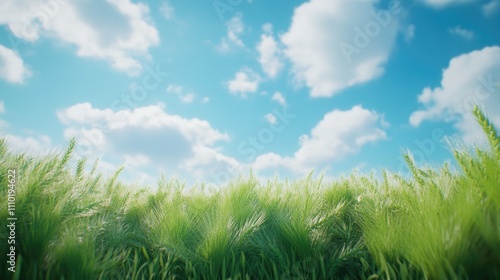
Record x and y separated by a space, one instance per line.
149 117
2 107
184 97
136 160
83 114
207 163
12 67
147 136
167 10
462 32
491 7
206 99
235 27
91 139
270 118
41 145
174 89
338 134
245 81
410 33
278 97
331 51
188 98
471 78
445 3
34 145
269 53
117 31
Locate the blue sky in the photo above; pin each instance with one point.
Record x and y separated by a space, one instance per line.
206 90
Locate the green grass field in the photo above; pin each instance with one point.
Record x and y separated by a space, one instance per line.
437 224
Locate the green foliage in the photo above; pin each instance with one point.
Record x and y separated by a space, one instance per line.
436 224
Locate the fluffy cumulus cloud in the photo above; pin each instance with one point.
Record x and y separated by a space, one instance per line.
147 136
470 79
244 81
167 10
444 3
2 107
270 118
410 32
235 27
117 31
182 94
269 53
338 134
491 7
462 32
335 44
35 145
12 67
209 163
278 97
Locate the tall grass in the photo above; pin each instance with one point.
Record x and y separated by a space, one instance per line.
436 224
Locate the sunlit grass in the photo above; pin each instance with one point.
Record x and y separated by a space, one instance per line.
437 224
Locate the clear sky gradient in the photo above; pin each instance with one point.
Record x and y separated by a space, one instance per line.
206 90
